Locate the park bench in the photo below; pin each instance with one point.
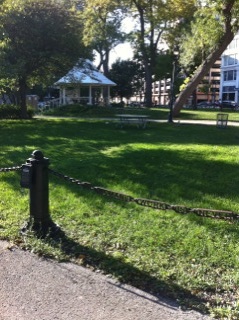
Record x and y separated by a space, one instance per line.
126 119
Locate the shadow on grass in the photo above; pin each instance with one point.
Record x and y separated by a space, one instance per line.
126 273
192 177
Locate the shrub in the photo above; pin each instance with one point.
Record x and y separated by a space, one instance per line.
11 111
118 104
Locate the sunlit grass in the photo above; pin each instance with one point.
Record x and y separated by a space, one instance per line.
188 257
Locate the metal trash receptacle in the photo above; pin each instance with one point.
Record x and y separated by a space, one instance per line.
222 119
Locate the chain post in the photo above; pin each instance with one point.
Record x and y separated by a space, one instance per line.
40 220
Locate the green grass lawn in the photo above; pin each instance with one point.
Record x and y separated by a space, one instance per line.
190 258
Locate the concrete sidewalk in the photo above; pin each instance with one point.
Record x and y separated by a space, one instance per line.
34 288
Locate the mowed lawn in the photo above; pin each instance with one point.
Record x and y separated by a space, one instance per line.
184 256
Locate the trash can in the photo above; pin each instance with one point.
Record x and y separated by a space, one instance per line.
222 119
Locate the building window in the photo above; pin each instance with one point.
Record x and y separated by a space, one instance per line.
228 89
228 93
229 75
230 60
215 75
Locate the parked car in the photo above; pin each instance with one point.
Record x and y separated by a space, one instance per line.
207 104
228 104
136 104
203 104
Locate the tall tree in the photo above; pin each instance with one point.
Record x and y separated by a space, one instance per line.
216 23
154 19
40 39
163 65
102 22
127 75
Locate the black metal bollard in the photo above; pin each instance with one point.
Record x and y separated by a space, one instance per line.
36 170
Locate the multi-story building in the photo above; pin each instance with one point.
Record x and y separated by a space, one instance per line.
221 83
229 86
161 92
208 90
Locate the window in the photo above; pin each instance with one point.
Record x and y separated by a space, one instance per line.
215 74
228 89
229 75
230 60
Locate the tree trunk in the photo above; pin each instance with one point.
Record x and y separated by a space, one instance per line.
22 94
208 63
194 99
105 64
148 86
201 72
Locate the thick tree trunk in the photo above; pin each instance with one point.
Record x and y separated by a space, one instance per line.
22 94
201 72
208 63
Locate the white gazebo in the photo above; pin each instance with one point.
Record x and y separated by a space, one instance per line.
84 84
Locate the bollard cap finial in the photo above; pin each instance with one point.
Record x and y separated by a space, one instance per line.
38 155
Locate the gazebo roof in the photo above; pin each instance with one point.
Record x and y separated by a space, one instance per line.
85 73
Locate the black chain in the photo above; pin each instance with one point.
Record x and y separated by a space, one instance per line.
17 168
209 213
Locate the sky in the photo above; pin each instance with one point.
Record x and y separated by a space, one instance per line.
123 51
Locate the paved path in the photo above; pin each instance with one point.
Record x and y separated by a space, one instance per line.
204 122
181 121
33 288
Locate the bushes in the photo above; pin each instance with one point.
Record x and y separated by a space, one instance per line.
77 110
10 111
118 104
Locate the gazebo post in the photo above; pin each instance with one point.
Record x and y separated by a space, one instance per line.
60 96
102 95
108 98
79 94
90 95
64 95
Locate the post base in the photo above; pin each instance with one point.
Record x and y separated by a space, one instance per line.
40 229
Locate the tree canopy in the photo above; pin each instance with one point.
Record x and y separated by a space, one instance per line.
128 77
102 28
154 20
40 40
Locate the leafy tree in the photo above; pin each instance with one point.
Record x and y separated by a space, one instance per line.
127 75
40 39
213 28
102 22
163 65
154 19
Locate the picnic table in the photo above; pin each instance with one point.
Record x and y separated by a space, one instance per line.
140 120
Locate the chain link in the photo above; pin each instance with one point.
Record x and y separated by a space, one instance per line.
152 204
17 168
209 213
113 194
